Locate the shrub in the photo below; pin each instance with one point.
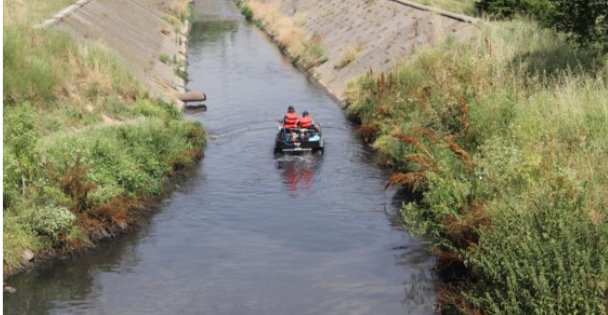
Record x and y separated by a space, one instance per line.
52 222
79 134
553 261
246 11
183 74
507 164
164 58
586 20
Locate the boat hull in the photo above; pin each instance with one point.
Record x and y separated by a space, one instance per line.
298 140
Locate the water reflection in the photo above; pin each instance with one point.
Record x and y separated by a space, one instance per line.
298 172
71 284
212 30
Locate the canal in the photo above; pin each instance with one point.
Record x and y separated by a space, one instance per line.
249 232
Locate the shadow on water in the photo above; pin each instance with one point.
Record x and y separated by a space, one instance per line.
71 281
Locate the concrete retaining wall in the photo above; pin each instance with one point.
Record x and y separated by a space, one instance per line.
138 32
386 32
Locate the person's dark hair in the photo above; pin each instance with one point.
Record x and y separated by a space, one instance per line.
290 109
305 113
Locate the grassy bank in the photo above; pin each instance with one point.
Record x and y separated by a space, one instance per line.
502 140
466 7
306 50
86 150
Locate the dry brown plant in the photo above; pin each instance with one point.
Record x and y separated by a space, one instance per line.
368 132
463 229
427 133
464 113
413 180
424 161
411 140
460 152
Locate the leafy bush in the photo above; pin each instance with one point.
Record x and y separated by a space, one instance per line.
79 134
509 8
246 11
508 166
553 261
52 222
586 20
164 58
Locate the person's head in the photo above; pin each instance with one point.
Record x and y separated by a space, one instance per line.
290 109
304 114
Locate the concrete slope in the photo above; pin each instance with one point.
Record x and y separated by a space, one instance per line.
138 32
385 31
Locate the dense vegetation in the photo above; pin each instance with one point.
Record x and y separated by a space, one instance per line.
457 6
502 140
584 20
85 147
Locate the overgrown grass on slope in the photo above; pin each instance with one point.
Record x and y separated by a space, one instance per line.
466 7
306 50
84 146
31 12
504 138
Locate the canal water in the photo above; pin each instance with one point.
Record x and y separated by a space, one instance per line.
250 232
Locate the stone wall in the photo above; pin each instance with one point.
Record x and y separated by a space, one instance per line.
383 31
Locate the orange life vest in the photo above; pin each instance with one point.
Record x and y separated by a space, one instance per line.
305 121
290 120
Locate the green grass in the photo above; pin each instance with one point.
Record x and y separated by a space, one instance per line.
351 53
164 58
503 137
84 144
466 7
32 12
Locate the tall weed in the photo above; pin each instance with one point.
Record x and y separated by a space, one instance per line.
504 139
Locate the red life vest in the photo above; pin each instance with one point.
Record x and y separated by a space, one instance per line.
290 120
305 121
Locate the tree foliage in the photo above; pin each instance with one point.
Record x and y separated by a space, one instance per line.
585 20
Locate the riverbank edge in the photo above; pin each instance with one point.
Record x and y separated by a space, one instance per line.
342 102
140 208
296 62
465 278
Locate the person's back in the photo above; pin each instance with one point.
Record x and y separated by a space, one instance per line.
306 121
291 118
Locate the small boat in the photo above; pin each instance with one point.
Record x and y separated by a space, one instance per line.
298 140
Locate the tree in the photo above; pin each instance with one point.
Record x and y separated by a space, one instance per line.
585 20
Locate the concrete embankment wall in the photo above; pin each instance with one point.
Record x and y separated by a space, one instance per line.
139 31
384 31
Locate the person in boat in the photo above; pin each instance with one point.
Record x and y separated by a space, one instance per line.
306 121
290 120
